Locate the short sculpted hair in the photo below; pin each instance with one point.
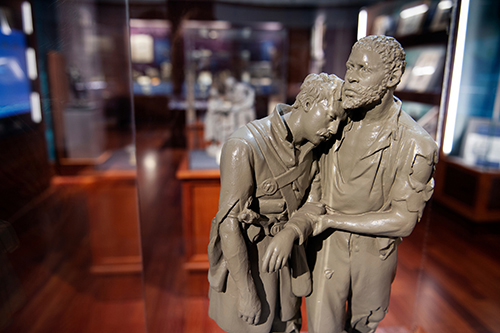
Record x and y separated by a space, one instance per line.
390 50
317 87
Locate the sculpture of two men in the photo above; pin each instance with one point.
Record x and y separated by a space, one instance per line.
373 180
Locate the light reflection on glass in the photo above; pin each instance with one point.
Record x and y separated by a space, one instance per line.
27 18
414 11
150 162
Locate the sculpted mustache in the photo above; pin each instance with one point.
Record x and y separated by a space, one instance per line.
356 91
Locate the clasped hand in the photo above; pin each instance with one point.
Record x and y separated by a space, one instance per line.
280 247
279 250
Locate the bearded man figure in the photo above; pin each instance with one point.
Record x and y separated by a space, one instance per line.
375 181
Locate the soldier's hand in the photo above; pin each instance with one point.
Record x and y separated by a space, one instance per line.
279 250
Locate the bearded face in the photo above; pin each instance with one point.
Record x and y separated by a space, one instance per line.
365 81
359 96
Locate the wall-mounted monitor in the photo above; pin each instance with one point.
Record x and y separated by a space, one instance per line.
15 85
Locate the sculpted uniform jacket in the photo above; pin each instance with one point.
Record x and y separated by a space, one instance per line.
247 183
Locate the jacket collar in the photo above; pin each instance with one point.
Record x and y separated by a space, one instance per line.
279 135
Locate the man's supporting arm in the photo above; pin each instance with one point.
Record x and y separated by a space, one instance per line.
400 219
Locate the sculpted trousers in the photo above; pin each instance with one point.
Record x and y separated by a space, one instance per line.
348 268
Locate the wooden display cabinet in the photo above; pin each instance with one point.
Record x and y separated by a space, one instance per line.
473 192
111 196
114 223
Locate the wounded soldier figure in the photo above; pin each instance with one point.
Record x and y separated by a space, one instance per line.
267 171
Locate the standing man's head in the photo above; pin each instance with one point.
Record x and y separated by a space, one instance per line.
318 108
374 67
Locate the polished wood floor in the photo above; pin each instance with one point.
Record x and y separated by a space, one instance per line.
448 276
52 265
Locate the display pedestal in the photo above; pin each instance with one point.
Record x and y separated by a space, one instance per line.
113 223
200 179
112 215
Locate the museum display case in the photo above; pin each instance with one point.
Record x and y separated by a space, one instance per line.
432 90
255 54
470 133
150 57
423 29
179 188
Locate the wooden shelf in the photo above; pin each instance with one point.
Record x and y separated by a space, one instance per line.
425 38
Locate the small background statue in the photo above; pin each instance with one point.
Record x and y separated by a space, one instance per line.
227 112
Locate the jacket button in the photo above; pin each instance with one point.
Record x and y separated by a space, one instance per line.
329 273
269 186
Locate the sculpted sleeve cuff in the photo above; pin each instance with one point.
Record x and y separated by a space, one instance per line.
302 223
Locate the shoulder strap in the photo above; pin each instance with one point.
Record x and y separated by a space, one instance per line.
277 169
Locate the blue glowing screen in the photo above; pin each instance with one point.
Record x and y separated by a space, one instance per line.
15 86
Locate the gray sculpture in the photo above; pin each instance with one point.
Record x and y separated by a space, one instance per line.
375 181
267 168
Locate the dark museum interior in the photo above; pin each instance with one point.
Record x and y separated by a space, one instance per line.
113 114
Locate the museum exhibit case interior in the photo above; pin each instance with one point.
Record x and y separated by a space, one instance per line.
470 139
109 184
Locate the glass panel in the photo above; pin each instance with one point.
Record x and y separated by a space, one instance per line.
69 232
476 136
179 179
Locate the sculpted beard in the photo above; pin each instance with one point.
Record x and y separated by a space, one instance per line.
365 96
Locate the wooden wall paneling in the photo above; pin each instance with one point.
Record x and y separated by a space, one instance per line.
24 172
